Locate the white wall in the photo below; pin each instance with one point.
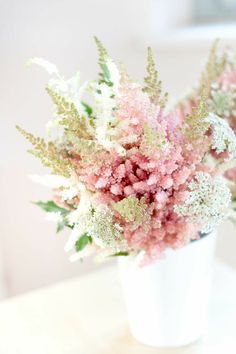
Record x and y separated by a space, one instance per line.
61 31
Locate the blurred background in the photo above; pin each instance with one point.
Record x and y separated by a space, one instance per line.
61 31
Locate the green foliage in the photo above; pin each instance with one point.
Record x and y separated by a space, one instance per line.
88 109
82 242
60 226
120 254
154 86
50 207
105 74
234 203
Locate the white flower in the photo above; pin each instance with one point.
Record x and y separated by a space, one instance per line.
52 181
86 252
223 137
49 67
102 229
106 123
77 231
84 207
208 202
98 223
70 89
80 217
70 187
54 216
105 104
114 75
104 139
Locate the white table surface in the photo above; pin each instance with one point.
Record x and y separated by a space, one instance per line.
87 316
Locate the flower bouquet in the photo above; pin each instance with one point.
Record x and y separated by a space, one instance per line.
133 178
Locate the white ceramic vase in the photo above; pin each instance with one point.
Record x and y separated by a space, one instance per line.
167 301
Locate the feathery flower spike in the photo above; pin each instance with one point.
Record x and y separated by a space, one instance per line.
154 86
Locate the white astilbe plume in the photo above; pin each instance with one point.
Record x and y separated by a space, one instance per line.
52 181
106 123
79 218
114 75
69 187
105 233
45 64
207 203
82 209
223 136
71 89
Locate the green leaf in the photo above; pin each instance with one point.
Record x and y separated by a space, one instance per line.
105 72
121 253
82 242
50 206
87 108
60 226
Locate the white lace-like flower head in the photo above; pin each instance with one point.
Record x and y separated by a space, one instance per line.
208 202
223 137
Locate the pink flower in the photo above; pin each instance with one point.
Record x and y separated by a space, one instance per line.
101 182
231 174
116 189
181 176
166 182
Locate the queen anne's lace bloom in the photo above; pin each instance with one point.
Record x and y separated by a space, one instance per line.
97 221
105 232
223 137
207 202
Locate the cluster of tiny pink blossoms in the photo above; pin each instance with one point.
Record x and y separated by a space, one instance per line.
124 170
162 178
